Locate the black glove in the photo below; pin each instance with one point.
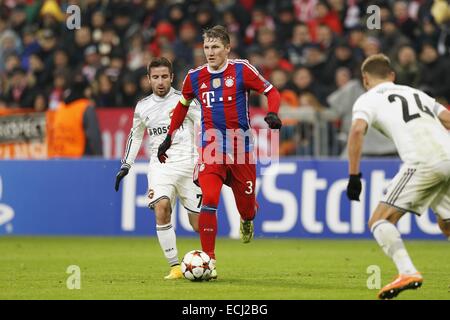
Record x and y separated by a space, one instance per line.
163 147
120 175
354 186
273 121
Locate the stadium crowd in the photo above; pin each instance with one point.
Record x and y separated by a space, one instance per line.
311 50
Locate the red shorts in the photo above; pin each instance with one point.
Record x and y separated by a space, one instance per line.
241 178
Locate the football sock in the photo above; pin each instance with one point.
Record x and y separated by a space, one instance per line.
168 241
207 225
389 239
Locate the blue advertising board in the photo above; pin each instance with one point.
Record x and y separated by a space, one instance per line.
297 199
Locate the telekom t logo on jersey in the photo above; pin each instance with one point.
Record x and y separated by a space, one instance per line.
208 97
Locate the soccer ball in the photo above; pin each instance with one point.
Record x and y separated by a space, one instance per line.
196 265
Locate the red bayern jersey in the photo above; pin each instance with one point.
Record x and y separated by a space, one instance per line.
224 96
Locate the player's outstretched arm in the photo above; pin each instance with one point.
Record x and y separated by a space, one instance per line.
444 116
273 101
355 144
178 116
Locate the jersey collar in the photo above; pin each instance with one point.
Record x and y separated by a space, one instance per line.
387 83
220 70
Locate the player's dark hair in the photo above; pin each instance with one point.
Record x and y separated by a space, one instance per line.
377 65
217 32
160 62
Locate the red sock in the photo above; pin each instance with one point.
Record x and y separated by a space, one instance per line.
207 225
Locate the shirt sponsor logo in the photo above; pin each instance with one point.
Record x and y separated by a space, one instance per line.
158 131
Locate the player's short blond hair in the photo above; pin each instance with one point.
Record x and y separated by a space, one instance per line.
377 65
217 32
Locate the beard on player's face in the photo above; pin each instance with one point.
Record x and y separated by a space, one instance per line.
160 81
160 87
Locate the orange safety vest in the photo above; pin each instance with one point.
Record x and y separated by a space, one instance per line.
65 132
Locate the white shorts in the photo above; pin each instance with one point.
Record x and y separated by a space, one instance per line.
416 188
169 181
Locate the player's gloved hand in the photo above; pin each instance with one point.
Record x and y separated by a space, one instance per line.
163 147
273 121
121 174
354 186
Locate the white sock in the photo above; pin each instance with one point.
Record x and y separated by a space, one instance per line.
168 241
389 239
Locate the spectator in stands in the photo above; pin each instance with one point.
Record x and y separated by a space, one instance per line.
73 129
61 60
205 16
265 39
48 42
40 102
135 55
98 23
407 68
295 48
285 21
30 45
129 93
341 57
272 61
105 95
21 93
259 20
279 79
60 83
185 44
83 39
326 39
391 38
38 73
341 102
435 75
316 63
108 41
302 81
92 63
10 43
405 23
324 15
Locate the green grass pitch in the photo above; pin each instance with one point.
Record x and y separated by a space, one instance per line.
133 268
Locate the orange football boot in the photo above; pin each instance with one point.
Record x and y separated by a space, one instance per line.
402 282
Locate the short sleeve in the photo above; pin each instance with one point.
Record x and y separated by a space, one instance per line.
362 110
253 80
438 108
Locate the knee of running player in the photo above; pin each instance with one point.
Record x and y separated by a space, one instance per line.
385 212
211 185
163 211
193 220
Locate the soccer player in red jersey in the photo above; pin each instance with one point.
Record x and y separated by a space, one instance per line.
222 86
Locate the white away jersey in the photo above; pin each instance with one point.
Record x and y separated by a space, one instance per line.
410 118
154 114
